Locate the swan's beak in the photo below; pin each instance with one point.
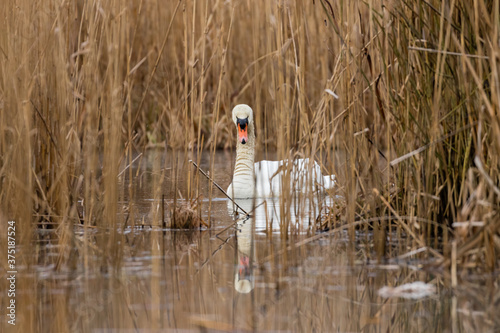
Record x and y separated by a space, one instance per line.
242 130
244 267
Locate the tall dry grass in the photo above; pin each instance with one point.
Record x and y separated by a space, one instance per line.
414 135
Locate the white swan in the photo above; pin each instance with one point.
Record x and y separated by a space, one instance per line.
264 179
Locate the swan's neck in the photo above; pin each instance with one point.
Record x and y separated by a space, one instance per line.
243 176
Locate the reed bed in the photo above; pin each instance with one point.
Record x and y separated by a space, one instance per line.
399 98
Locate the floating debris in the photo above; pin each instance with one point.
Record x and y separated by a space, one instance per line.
413 290
185 215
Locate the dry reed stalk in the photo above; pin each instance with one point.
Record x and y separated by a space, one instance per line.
86 85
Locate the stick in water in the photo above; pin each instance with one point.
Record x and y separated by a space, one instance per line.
220 188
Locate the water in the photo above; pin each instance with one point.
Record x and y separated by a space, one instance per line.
248 277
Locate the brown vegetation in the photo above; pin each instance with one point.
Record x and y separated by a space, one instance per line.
86 85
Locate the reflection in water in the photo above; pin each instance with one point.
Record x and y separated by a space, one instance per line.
199 280
266 212
264 216
244 279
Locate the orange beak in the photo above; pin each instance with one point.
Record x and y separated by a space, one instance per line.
244 266
242 134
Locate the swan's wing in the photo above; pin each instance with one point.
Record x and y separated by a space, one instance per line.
329 182
305 175
325 182
267 178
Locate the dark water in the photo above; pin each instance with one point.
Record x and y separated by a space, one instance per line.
249 277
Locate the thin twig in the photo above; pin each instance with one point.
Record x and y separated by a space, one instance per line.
421 149
231 225
416 48
483 172
238 220
224 242
405 227
47 129
135 159
217 185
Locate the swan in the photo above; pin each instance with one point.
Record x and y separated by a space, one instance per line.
264 179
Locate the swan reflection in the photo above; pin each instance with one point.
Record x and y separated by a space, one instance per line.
265 216
244 278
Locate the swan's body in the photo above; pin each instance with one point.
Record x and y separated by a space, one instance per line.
266 179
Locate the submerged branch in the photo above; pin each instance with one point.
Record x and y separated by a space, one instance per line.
218 186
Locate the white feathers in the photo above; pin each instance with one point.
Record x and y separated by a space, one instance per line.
266 179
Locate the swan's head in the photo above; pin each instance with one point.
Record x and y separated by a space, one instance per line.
242 118
243 281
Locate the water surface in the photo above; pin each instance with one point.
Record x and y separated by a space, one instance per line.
245 275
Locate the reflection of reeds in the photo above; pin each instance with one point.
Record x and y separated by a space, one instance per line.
85 86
